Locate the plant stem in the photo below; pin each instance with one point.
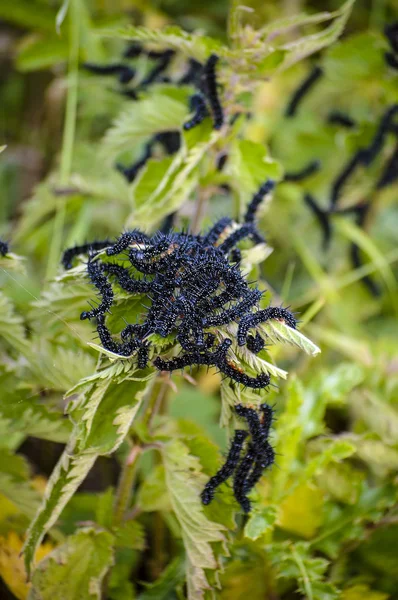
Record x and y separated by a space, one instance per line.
68 136
125 485
200 210
157 403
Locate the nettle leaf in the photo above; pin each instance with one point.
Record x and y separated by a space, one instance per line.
381 458
75 570
59 302
360 591
102 414
15 485
37 52
294 561
249 165
232 394
164 110
185 481
12 329
153 494
261 54
343 524
25 415
68 474
336 384
288 434
302 511
175 186
191 44
161 589
106 411
309 44
13 262
261 522
277 331
130 535
342 482
379 416
335 451
59 368
29 14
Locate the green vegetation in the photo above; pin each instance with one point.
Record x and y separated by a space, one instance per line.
102 463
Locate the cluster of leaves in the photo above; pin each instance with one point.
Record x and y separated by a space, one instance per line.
131 525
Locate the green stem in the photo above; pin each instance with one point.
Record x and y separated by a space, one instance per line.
68 136
125 485
304 574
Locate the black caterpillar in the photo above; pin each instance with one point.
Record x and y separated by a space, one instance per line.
303 90
246 469
391 33
3 248
363 157
193 287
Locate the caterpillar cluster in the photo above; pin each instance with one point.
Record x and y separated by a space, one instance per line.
194 289
245 464
3 248
364 157
204 102
158 73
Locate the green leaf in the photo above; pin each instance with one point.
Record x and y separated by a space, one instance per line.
75 570
349 524
342 482
29 14
185 481
130 535
165 109
37 52
307 45
190 44
335 451
167 582
294 561
107 410
288 432
262 522
180 178
249 165
301 512
378 416
277 331
336 384
68 474
358 236
381 458
25 415
153 494
15 485
360 591
103 413
61 14
11 326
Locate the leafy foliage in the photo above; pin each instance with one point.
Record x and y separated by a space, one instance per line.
101 463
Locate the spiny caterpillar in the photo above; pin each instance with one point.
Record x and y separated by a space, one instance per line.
206 100
194 289
246 467
3 248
